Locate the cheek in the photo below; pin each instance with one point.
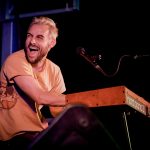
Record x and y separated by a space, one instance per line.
27 41
46 47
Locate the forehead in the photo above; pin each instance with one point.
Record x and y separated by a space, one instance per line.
39 29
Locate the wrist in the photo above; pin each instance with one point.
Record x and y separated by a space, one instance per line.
66 100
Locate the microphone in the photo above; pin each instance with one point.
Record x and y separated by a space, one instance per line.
91 59
81 51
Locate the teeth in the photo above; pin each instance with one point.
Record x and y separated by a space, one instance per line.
33 49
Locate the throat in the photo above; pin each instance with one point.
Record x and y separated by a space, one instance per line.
39 67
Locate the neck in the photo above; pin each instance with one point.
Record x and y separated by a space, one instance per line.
39 66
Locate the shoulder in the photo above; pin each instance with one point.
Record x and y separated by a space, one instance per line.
15 61
15 57
16 64
51 65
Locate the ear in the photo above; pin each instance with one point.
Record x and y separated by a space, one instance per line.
53 43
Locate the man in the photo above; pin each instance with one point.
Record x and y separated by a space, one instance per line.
29 81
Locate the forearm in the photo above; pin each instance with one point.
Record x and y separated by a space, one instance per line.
39 96
52 99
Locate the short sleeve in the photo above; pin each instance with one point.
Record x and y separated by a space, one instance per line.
16 65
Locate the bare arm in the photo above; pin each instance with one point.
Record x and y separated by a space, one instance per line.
30 87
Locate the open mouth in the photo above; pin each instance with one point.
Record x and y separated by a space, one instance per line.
32 51
31 48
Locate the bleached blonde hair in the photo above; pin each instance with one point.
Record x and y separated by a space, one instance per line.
46 21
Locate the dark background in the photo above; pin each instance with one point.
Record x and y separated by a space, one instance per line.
112 30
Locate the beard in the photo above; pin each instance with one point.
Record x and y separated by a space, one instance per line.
35 60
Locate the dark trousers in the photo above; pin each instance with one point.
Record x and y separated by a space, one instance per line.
76 127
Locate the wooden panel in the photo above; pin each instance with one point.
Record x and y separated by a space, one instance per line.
111 96
100 97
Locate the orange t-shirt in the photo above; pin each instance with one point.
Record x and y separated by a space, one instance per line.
18 113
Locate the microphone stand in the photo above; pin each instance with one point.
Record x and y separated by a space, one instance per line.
92 61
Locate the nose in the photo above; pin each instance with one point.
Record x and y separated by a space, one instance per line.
32 41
